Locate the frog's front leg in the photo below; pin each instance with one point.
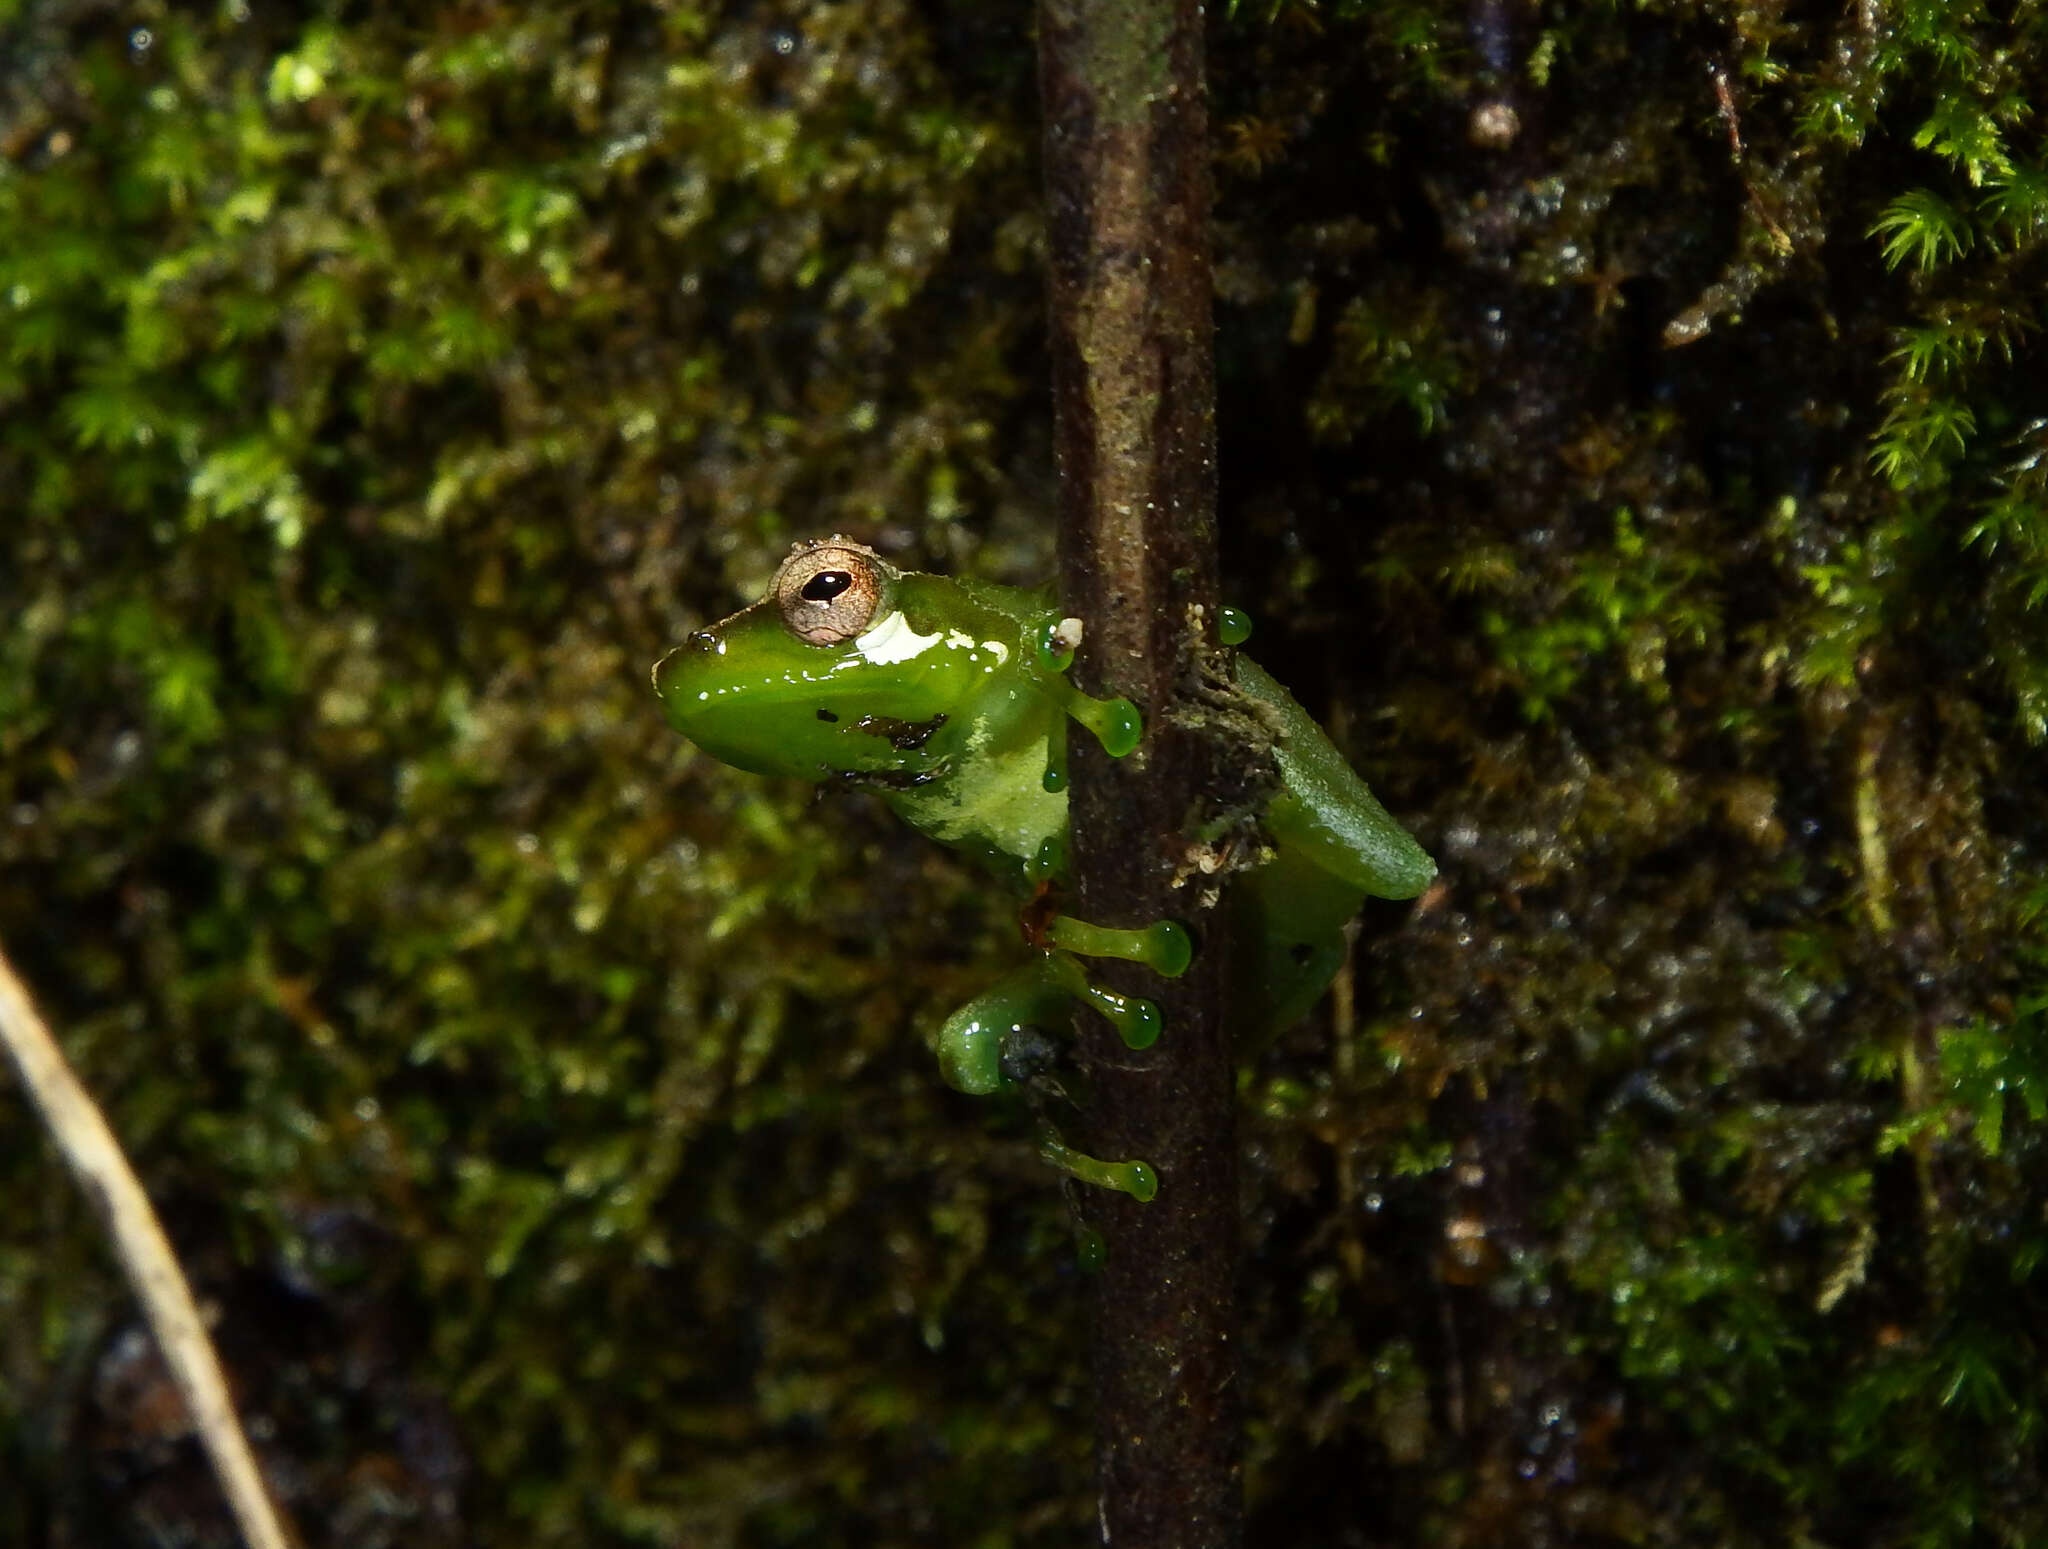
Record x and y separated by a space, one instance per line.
1163 946
1115 722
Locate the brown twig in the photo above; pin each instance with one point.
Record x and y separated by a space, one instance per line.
1127 177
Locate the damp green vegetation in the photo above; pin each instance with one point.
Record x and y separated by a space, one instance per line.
1633 445
1625 602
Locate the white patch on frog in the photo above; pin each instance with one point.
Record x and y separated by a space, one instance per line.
961 641
893 640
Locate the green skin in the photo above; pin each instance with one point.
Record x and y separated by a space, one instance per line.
950 697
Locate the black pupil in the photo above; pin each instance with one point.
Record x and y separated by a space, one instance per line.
825 585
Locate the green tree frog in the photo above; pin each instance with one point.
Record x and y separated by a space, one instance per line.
950 697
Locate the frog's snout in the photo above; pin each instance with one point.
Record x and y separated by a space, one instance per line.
672 669
698 645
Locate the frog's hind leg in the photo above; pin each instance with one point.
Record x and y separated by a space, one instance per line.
1290 920
983 1046
994 1042
974 1044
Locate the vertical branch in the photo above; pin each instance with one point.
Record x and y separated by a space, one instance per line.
1128 198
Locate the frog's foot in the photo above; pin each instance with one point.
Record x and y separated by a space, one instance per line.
1163 946
1135 1019
989 1043
1115 722
1136 1179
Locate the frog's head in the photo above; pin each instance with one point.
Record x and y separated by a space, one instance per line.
826 674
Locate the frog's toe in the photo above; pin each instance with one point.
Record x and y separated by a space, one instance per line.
1164 946
1134 1178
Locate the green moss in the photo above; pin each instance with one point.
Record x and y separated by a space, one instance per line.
1629 603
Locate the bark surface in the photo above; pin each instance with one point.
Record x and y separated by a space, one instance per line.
1128 196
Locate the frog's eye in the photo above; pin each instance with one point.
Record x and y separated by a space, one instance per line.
829 592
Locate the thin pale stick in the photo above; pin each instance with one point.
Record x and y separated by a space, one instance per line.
102 1169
